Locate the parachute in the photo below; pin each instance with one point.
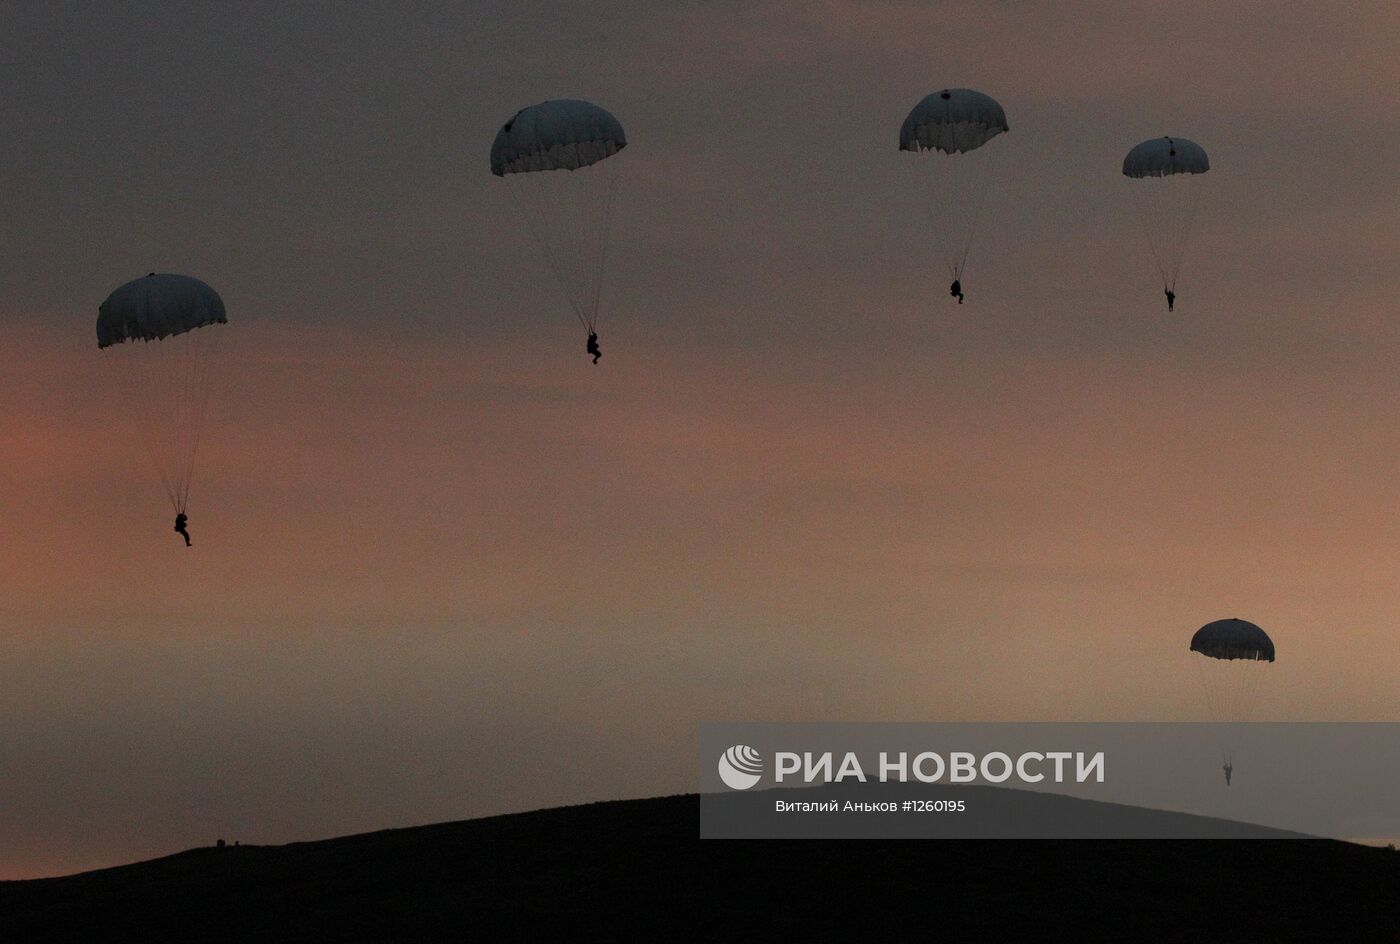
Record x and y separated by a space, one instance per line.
1234 652
947 134
1166 188
568 214
1233 639
159 335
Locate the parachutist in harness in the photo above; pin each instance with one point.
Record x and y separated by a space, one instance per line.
181 520
1171 299
955 290
1229 769
593 346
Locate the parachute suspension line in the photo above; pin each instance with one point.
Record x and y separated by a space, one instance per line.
144 389
935 199
177 376
1170 233
1188 202
535 223
988 171
534 220
1215 705
201 355
948 214
167 383
1166 208
154 357
573 258
1206 686
1245 708
134 382
168 371
1146 214
179 431
611 176
953 190
1232 689
1250 692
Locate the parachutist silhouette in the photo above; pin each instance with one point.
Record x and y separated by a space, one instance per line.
1229 769
1171 299
956 290
593 346
180 525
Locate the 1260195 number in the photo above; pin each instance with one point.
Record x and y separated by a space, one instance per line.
939 806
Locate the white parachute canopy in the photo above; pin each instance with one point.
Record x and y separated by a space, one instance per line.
1164 177
568 214
160 335
947 135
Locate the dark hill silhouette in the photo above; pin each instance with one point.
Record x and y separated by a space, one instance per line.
635 870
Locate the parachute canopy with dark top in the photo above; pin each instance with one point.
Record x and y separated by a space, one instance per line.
157 306
1162 157
563 134
1233 639
953 121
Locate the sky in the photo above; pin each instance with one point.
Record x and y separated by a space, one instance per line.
445 567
